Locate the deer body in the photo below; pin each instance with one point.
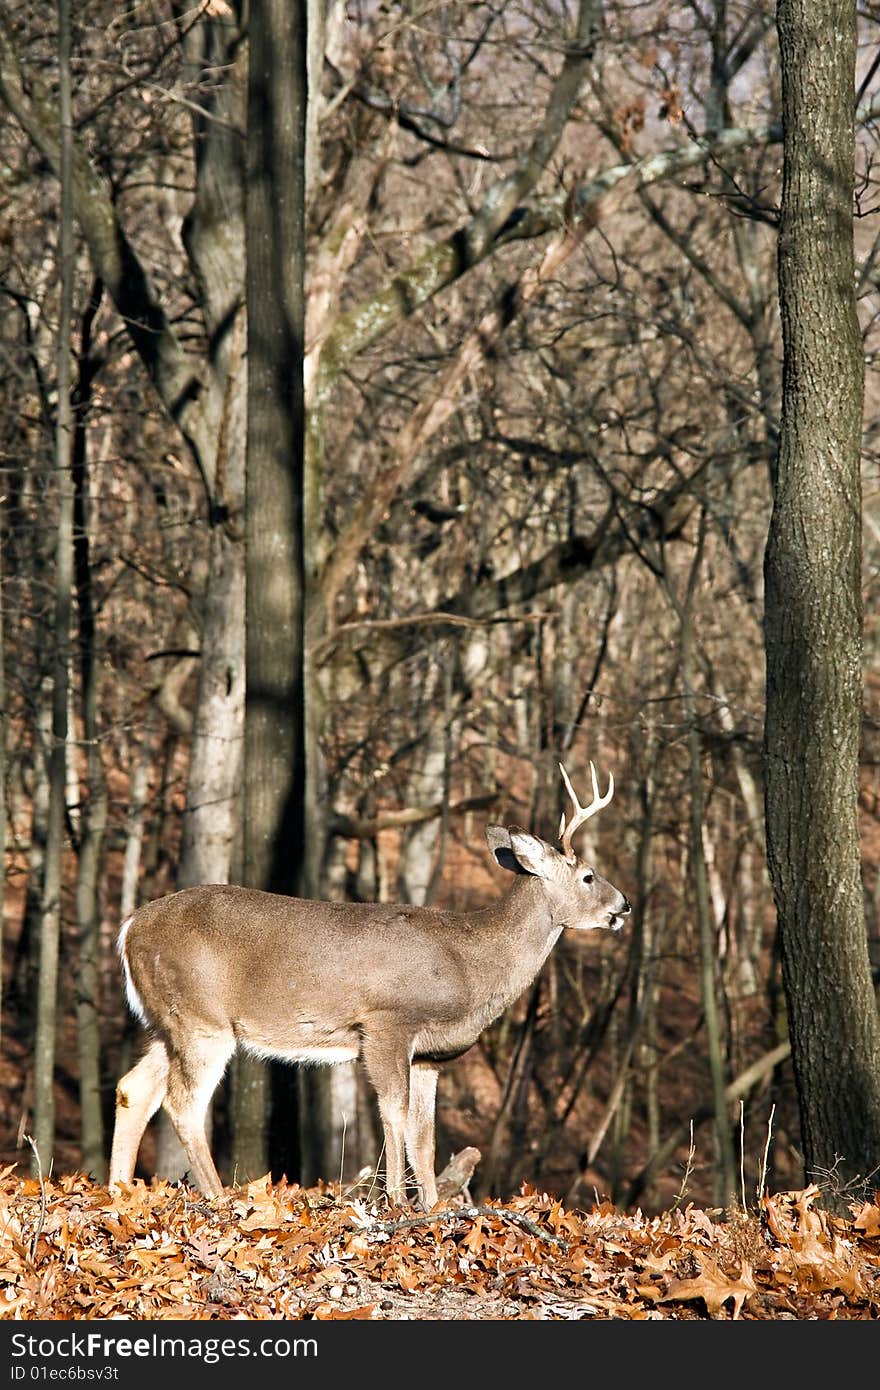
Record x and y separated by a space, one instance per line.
216 967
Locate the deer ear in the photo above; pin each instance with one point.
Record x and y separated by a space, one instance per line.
533 854
498 840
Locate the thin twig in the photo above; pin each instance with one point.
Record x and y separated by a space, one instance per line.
763 1178
742 1154
521 1269
42 1216
689 1168
342 1149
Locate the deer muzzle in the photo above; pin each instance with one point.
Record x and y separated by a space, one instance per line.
615 919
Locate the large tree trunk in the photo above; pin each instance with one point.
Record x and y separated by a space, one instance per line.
813 609
274 780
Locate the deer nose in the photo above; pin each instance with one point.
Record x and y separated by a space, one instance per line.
626 909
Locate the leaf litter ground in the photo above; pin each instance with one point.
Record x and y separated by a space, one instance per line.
70 1249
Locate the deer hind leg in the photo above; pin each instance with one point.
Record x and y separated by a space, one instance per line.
138 1097
420 1129
192 1079
386 1058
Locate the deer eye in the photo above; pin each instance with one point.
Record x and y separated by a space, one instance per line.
589 876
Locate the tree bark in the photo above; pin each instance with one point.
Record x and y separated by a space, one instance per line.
274 779
814 613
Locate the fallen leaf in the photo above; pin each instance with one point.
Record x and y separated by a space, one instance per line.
713 1286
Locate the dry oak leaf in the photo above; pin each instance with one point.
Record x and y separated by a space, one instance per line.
659 1260
477 1238
712 1285
788 1212
867 1220
696 1219
262 1209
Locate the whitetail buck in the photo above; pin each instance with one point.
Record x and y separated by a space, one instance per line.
406 988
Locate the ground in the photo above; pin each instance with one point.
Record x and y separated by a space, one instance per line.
74 1250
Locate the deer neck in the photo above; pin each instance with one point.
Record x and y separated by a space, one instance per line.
512 940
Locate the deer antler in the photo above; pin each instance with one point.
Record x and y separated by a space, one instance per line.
581 813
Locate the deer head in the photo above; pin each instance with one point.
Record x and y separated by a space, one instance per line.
580 898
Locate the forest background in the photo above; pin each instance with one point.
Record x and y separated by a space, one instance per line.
537 438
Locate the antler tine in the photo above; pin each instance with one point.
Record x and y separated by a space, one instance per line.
582 813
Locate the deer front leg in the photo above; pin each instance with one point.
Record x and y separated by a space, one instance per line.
386 1058
420 1129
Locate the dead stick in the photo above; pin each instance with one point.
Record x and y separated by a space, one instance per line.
42 1216
513 1218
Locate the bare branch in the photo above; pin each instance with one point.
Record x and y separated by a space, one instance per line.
443 264
349 828
113 257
